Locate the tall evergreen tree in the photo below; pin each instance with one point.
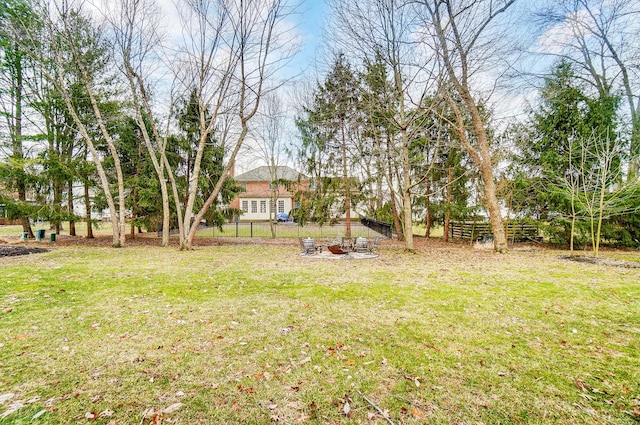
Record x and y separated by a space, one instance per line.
14 64
328 130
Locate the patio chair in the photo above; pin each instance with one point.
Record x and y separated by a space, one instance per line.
373 245
307 246
362 245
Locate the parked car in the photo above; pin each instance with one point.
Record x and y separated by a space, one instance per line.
282 217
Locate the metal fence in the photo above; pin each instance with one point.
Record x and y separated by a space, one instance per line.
286 230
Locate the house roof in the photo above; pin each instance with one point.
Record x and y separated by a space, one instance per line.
263 174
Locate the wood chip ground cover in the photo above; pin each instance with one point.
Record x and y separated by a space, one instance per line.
258 334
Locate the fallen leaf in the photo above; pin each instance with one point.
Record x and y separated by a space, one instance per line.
371 416
346 409
173 408
305 360
106 413
581 385
416 414
90 416
23 336
273 406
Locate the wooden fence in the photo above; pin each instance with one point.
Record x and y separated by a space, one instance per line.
481 230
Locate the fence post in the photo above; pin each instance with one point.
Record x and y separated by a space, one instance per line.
236 229
251 229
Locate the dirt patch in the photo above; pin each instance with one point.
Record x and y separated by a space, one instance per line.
603 261
15 250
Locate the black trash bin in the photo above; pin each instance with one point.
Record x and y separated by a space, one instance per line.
40 234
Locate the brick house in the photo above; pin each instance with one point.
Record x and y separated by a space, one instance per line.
256 201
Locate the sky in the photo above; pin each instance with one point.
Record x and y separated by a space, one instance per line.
310 26
308 22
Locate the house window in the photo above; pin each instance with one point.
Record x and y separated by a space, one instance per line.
272 206
263 207
243 186
254 207
273 186
245 206
281 206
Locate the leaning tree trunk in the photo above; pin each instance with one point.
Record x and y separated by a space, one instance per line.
483 158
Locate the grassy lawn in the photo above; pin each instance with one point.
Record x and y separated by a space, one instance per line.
101 228
258 334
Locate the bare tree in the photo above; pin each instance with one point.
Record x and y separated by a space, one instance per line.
466 37
269 148
134 24
67 38
385 29
232 49
229 50
600 182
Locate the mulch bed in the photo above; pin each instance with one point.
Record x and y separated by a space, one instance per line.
603 261
15 250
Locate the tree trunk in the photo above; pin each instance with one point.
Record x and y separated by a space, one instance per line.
406 192
392 193
18 152
482 158
495 216
57 205
454 51
87 206
428 219
346 184
72 222
447 214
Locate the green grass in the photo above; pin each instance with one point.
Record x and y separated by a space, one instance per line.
101 228
259 334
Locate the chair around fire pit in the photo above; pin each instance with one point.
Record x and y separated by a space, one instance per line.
307 246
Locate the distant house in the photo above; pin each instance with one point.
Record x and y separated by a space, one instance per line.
256 201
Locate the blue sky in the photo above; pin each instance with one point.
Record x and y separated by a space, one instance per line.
311 18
